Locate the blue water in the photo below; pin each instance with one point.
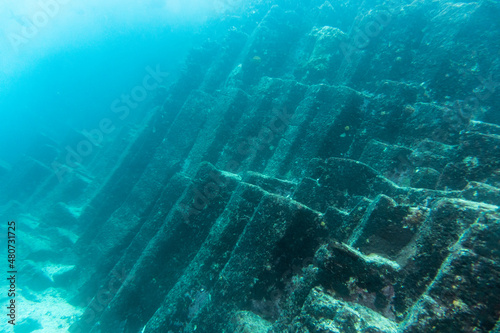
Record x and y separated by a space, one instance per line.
66 76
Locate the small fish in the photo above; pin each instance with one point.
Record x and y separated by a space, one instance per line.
256 59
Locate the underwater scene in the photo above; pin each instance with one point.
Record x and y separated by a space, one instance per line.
232 166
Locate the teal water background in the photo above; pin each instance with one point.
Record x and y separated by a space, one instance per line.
62 63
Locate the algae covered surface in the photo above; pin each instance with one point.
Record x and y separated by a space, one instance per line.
313 166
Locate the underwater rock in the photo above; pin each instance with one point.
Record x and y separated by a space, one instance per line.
425 178
28 325
325 55
323 312
283 186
